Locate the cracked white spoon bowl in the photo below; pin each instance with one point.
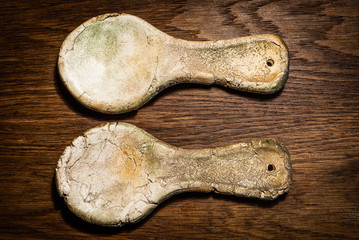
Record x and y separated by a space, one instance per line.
116 63
117 173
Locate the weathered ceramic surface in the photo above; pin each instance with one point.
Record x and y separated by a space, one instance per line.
117 173
115 63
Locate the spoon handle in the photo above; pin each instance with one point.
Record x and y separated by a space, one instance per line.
258 169
255 63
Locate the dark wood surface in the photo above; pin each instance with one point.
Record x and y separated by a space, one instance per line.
316 116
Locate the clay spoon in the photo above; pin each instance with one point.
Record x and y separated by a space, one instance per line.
116 63
117 173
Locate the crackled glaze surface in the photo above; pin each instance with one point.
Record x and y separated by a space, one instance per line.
117 173
115 63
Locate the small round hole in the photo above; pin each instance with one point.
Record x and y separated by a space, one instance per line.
271 167
270 62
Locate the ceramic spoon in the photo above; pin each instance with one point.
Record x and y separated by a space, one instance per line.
117 173
115 63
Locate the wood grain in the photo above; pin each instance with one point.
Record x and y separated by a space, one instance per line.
316 116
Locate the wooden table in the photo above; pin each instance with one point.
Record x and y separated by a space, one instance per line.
316 116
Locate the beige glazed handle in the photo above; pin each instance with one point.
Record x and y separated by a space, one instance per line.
256 63
257 169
